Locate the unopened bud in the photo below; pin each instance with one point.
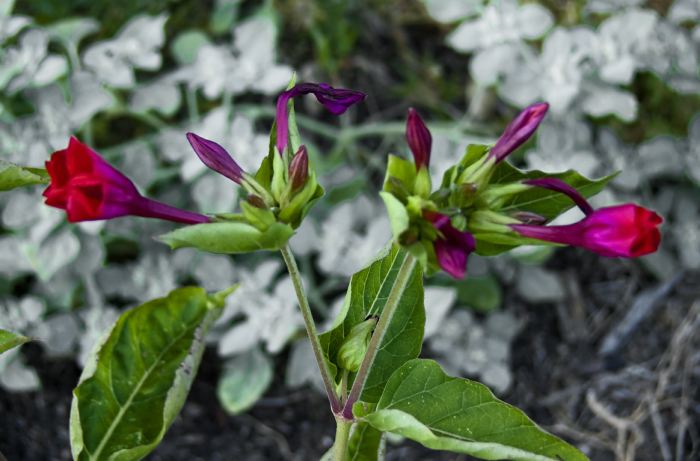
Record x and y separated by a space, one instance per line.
528 217
419 139
299 168
256 201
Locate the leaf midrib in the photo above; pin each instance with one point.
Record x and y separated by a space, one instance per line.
123 408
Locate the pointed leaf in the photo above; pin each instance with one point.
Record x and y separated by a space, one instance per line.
229 237
367 295
422 403
137 379
12 176
9 340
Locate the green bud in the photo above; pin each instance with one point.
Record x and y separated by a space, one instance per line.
422 185
486 221
495 195
354 346
478 173
459 222
292 209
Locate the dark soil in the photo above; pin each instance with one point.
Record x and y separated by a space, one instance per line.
606 405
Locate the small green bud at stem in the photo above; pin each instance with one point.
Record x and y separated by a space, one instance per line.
354 346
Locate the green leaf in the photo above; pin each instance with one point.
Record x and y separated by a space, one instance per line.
422 403
9 340
367 295
137 379
245 380
12 176
229 237
365 444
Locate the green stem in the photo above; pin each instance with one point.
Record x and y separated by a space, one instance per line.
342 435
311 328
392 303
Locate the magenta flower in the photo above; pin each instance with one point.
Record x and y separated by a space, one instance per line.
299 168
215 157
336 100
88 188
452 247
519 130
419 139
627 231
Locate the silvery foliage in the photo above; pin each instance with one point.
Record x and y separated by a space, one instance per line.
68 88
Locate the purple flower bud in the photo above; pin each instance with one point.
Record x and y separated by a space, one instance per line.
519 130
558 185
215 157
419 139
452 247
299 168
336 100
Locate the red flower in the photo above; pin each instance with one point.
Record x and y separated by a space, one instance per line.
89 188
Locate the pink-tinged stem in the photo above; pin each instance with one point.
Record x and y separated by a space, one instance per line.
148 208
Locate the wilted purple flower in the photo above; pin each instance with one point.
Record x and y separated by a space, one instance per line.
336 100
452 247
519 130
215 157
299 168
419 139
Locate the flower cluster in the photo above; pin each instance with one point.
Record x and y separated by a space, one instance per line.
283 189
486 205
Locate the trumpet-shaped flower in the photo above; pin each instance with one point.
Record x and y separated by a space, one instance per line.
89 188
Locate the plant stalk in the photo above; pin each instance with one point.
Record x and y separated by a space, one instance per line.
392 303
311 328
342 435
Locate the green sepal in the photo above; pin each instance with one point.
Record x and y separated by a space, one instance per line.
402 170
398 214
264 174
423 185
261 218
229 237
13 176
292 210
280 176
